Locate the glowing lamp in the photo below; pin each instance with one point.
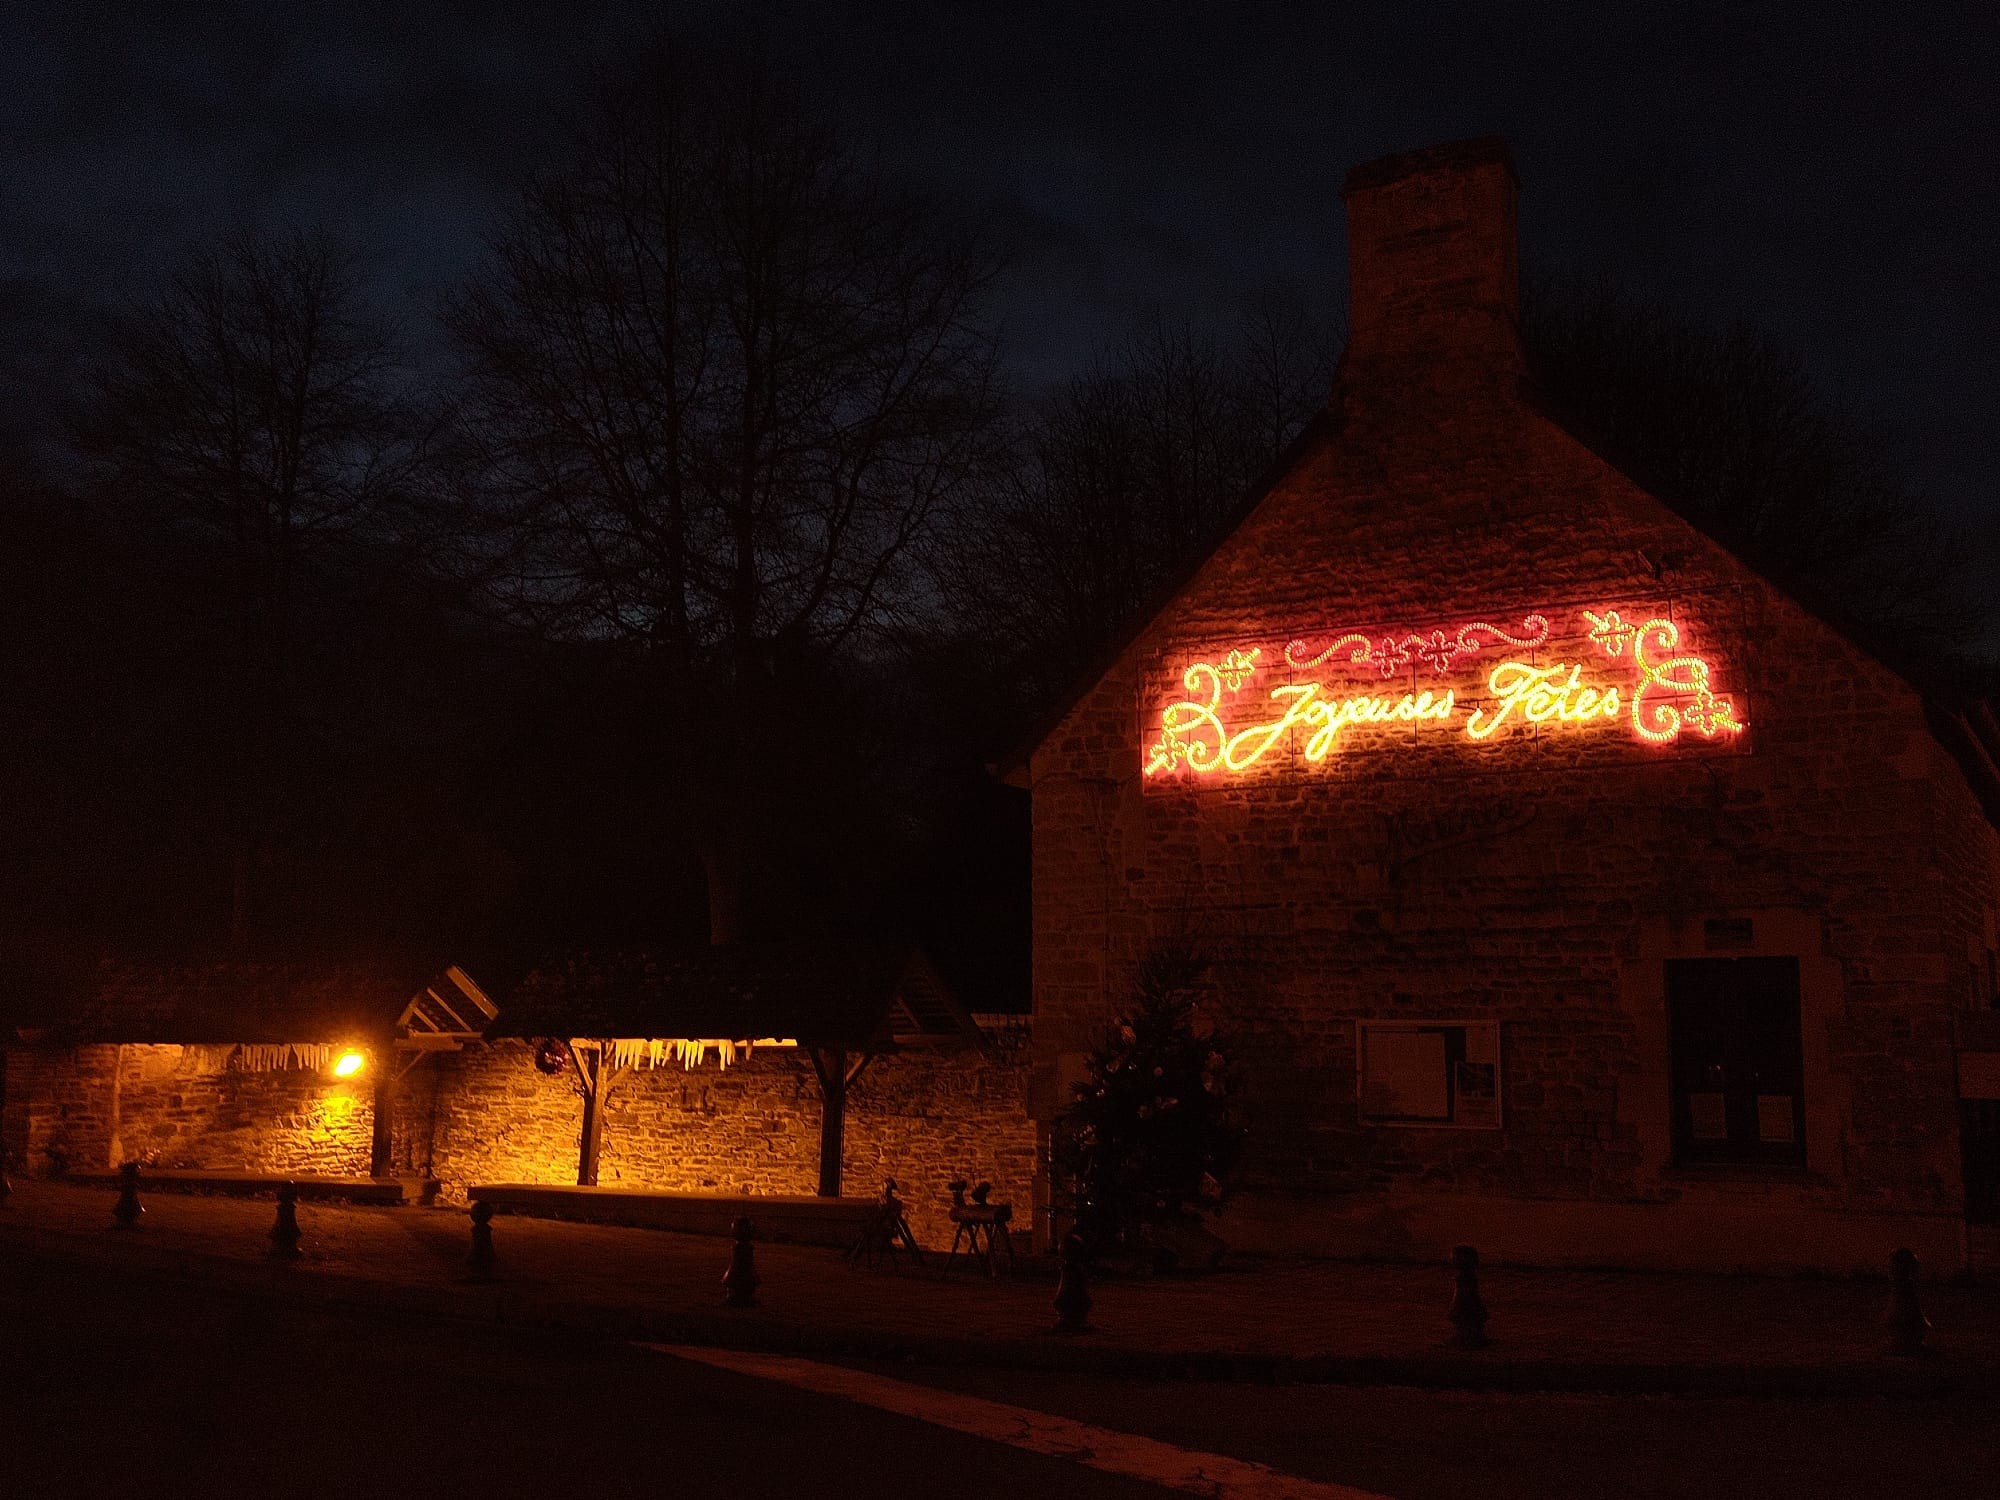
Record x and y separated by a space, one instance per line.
347 1064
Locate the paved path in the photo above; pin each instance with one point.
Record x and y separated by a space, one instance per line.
108 1389
1344 1316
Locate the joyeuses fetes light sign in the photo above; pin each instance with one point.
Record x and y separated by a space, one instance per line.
1243 711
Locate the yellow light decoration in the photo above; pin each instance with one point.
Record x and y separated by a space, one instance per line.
1660 722
1543 695
689 1052
348 1064
1672 693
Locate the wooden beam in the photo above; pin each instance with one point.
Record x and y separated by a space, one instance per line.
432 1041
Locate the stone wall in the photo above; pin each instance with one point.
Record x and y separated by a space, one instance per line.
752 1128
487 1115
95 1107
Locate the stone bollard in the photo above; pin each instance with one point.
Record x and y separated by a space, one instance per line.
1073 1288
1468 1308
125 1212
739 1282
1904 1318
480 1263
285 1234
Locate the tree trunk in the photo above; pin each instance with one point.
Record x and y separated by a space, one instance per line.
239 895
381 1145
722 871
592 1141
830 1063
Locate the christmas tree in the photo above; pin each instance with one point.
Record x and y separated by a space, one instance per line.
1147 1144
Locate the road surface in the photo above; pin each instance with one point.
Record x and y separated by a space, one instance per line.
111 1386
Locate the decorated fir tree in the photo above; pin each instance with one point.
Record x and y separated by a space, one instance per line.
1147 1143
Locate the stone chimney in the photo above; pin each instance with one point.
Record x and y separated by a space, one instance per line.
1433 266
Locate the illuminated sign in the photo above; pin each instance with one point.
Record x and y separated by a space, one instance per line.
1246 710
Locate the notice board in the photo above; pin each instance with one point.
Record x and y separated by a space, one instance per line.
1444 1073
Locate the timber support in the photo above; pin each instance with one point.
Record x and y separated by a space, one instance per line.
596 1073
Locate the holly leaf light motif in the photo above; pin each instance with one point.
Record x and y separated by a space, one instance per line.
1709 715
1437 650
1235 667
1392 655
1168 752
1608 633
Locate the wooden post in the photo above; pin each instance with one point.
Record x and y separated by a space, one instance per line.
594 1076
836 1073
381 1144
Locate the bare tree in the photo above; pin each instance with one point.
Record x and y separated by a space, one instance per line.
1123 476
724 377
1731 428
255 415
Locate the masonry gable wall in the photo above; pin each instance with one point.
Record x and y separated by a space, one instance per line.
1536 879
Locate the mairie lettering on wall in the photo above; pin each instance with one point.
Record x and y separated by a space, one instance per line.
1254 709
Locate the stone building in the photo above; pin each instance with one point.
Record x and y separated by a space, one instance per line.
1566 886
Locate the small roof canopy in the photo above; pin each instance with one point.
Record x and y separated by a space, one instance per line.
410 1004
857 996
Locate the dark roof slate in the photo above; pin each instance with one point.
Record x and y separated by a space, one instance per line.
854 995
224 1002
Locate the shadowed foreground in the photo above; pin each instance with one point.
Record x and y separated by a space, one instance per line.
112 1385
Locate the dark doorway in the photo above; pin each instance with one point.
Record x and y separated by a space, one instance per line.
1738 1081
1979 1141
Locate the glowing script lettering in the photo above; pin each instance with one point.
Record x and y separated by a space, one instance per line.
1219 729
1541 695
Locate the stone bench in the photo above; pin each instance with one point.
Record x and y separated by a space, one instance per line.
779 1218
393 1191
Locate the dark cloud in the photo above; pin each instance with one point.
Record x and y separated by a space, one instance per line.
1823 172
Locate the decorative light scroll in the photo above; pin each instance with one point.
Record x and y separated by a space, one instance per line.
1219 729
1688 675
1393 653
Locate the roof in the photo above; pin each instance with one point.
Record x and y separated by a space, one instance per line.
231 1001
1012 768
855 995
1965 724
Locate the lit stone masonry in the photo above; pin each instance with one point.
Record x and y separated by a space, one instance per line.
754 1127
488 1115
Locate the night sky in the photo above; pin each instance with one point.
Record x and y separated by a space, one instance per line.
1830 179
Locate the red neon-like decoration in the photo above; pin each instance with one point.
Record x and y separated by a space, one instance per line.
1436 650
